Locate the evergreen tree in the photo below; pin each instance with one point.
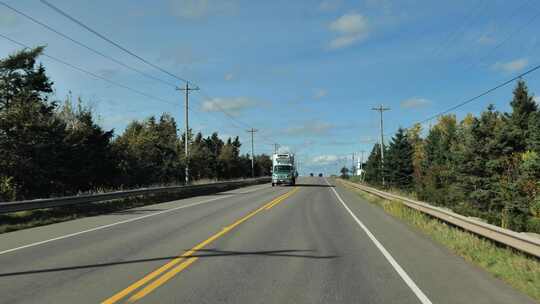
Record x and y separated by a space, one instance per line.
399 161
344 173
417 144
373 166
477 162
438 164
31 135
88 159
148 152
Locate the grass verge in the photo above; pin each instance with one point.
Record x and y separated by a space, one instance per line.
517 269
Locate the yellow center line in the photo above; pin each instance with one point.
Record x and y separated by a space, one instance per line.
185 260
281 199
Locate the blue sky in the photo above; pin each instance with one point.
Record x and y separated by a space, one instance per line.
305 73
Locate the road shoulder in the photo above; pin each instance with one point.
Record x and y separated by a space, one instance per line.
444 276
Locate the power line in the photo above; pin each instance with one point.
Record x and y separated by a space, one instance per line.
65 14
85 46
90 73
482 94
472 99
467 22
95 32
507 38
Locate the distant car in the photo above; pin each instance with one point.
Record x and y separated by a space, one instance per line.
311 174
320 174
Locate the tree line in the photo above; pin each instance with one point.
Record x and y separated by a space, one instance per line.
52 148
487 166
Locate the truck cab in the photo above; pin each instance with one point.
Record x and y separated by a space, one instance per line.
283 174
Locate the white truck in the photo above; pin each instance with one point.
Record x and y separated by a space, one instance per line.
283 169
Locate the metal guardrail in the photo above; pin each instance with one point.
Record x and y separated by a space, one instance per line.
516 240
8 207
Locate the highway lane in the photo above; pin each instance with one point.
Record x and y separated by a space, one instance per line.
245 247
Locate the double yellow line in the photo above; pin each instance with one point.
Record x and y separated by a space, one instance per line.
175 266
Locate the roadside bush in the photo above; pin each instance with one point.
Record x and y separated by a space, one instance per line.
7 189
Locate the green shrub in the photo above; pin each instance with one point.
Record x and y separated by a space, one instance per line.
533 224
7 189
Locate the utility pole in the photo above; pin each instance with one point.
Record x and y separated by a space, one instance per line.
381 109
187 89
362 165
353 166
276 148
252 131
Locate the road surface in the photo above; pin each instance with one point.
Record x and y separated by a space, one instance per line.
313 243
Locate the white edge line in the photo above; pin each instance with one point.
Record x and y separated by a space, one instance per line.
121 222
417 291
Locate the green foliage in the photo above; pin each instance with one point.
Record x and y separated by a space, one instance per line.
344 173
399 172
373 166
48 148
486 166
7 189
31 135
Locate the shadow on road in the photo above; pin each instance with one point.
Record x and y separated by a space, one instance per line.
201 253
314 185
208 253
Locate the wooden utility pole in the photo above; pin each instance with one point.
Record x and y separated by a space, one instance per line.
252 131
187 89
381 109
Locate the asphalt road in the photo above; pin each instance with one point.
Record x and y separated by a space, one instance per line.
313 243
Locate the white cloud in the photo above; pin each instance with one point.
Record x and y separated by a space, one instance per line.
196 9
415 102
320 93
511 66
326 159
350 23
486 40
537 100
330 5
351 28
311 128
228 76
232 105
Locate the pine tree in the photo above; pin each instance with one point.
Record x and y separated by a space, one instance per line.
398 163
373 166
438 163
31 135
417 144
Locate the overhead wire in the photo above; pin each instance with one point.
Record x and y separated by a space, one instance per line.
506 39
91 73
88 28
124 49
474 98
84 45
467 21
